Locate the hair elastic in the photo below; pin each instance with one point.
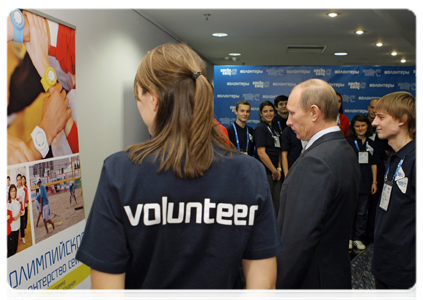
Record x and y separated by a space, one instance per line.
196 75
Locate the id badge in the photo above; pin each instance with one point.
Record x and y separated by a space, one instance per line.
402 184
386 196
363 157
277 141
244 152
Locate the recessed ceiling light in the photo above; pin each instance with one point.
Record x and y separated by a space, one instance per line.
379 44
234 54
341 53
394 53
403 60
332 14
219 34
359 32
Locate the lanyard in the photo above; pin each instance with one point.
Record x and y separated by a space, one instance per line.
358 148
271 131
237 139
338 120
280 127
396 172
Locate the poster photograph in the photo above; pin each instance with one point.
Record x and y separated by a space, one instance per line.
19 234
41 106
45 206
60 181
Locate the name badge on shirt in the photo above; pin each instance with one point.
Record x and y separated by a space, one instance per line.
402 184
363 157
244 152
277 141
386 196
400 174
369 149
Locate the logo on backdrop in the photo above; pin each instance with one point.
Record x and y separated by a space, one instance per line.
367 98
372 72
227 96
271 97
347 72
251 71
337 85
407 86
251 97
356 111
295 71
348 98
238 83
225 121
261 84
396 72
274 71
382 85
357 85
289 84
323 72
229 72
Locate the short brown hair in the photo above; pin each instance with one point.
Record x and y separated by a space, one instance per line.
320 93
185 131
400 106
242 102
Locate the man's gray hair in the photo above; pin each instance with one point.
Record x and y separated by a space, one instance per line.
319 92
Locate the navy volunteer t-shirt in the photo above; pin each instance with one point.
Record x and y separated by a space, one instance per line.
264 137
366 178
167 232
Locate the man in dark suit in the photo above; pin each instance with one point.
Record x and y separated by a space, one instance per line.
319 195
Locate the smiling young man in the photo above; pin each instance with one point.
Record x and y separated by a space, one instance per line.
240 134
394 254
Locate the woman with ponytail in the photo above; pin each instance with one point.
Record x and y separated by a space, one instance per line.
183 210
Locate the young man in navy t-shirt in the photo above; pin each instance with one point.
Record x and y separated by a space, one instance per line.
394 255
240 134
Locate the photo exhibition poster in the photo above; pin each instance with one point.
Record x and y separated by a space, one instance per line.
45 205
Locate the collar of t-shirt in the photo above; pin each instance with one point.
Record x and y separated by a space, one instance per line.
321 133
406 149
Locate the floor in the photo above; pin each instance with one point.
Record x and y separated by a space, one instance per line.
362 277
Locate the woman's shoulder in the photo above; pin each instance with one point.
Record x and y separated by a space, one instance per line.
351 138
260 127
242 162
118 160
119 167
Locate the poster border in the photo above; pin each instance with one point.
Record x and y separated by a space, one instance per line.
44 15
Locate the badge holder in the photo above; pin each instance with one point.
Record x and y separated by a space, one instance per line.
363 157
386 195
276 141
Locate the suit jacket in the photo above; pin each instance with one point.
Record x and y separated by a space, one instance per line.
318 201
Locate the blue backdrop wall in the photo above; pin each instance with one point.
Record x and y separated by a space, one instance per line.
358 85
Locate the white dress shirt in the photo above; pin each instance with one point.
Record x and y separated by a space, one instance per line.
321 133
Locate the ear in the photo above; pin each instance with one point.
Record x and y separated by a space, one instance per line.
403 120
139 91
315 112
154 102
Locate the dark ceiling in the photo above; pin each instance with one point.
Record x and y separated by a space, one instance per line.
293 36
